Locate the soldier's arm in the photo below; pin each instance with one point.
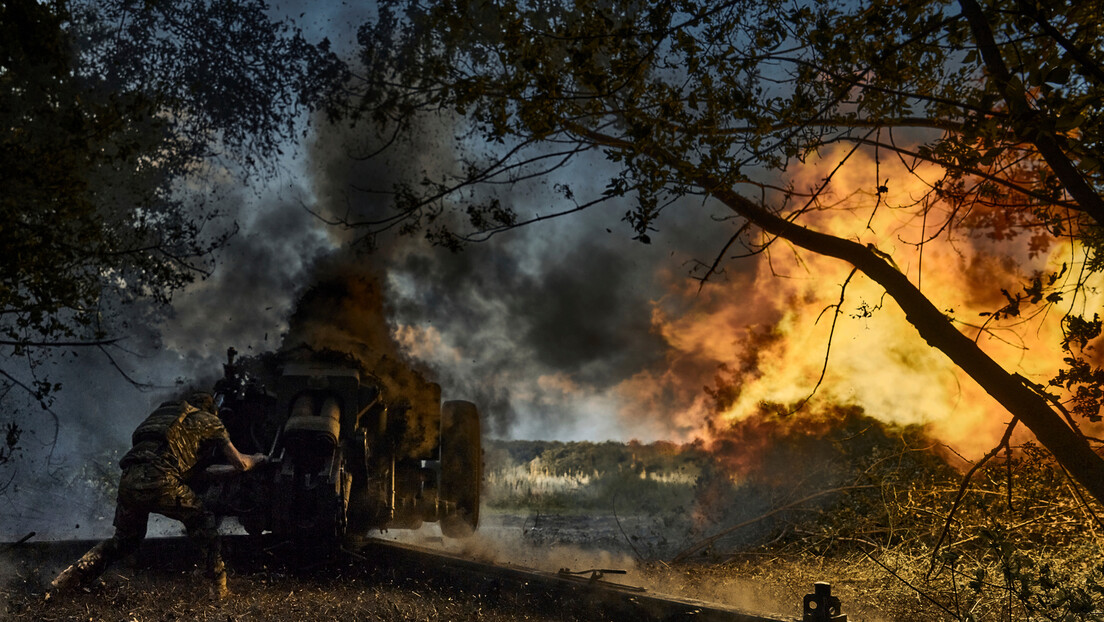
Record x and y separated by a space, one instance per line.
238 460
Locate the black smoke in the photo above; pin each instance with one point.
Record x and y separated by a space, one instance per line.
536 324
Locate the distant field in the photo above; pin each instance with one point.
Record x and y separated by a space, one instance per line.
589 478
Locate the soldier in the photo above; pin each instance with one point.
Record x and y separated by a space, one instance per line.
173 446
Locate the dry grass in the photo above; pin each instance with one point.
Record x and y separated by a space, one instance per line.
333 591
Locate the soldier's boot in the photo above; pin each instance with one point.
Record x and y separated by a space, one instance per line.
86 569
215 567
219 589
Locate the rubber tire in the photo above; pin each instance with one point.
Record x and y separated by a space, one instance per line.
461 467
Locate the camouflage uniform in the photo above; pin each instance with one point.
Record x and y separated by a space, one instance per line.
173 445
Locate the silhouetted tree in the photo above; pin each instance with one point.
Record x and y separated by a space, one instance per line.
107 109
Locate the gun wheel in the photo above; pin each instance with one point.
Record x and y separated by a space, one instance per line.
461 468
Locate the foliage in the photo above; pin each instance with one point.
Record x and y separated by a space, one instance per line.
732 88
225 76
109 108
591 478
1080 377
560 458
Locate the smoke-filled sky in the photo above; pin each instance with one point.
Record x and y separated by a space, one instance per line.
568 329
540 325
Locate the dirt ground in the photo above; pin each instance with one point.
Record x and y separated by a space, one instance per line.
269 587
158 595
263 588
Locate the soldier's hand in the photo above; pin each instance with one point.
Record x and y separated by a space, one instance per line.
259 459
220 470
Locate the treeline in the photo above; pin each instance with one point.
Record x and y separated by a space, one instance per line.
558 458
597 479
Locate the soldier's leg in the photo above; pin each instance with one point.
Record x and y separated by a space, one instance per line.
84 570
203 529
130 529
202 526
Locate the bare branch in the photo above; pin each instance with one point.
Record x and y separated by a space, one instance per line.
720 256
963 487
837 309
56 344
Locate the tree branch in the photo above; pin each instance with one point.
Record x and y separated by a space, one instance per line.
56 344
1070 448
1028 120
962 492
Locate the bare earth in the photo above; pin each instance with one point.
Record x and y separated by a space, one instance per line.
273 586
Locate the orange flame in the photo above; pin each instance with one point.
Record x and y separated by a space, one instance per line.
876 360
761 333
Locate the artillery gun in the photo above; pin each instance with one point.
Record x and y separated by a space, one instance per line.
344 458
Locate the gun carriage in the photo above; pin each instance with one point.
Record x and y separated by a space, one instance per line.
345 458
